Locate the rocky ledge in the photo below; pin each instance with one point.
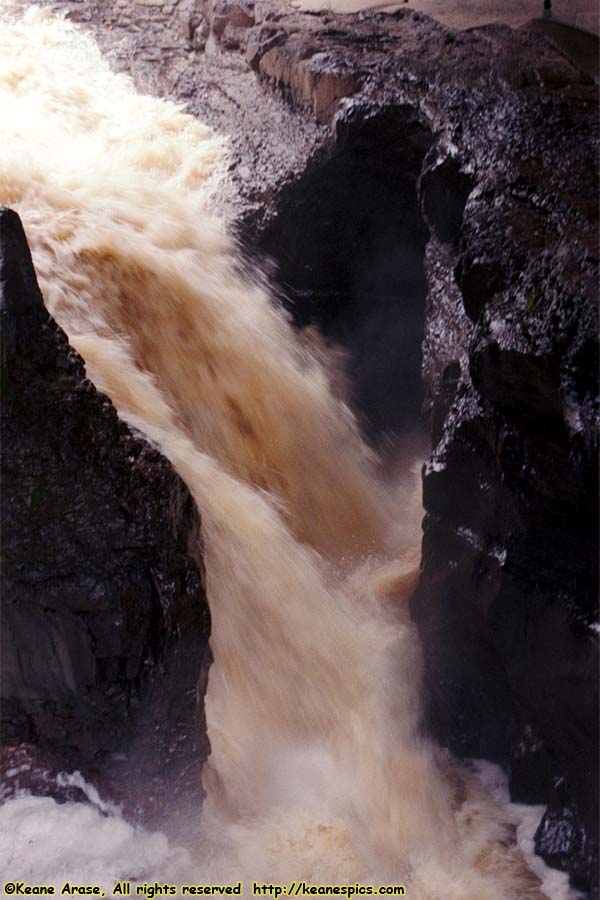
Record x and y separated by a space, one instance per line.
104 618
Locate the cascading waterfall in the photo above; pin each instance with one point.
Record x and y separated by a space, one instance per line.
317 769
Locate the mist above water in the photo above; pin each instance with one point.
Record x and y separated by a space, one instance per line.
318 770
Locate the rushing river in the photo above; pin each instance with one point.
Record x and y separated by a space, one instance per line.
318 770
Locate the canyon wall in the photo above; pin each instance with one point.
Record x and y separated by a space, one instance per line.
104 617
496 131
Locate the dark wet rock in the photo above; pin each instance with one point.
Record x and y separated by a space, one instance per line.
565 844
532 769
504 173
104 617
444 190
349 240
577 43
25 768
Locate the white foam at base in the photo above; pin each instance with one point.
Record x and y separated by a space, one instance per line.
44 842
526 818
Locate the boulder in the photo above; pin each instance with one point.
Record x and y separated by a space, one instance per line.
104 617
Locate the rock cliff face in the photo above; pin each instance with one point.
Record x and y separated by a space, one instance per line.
507 604
102 594
474 156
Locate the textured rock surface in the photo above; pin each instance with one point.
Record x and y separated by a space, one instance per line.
104 618
25 767
499 133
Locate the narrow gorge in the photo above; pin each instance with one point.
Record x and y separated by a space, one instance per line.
299 459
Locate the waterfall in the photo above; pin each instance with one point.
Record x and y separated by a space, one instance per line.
318 769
